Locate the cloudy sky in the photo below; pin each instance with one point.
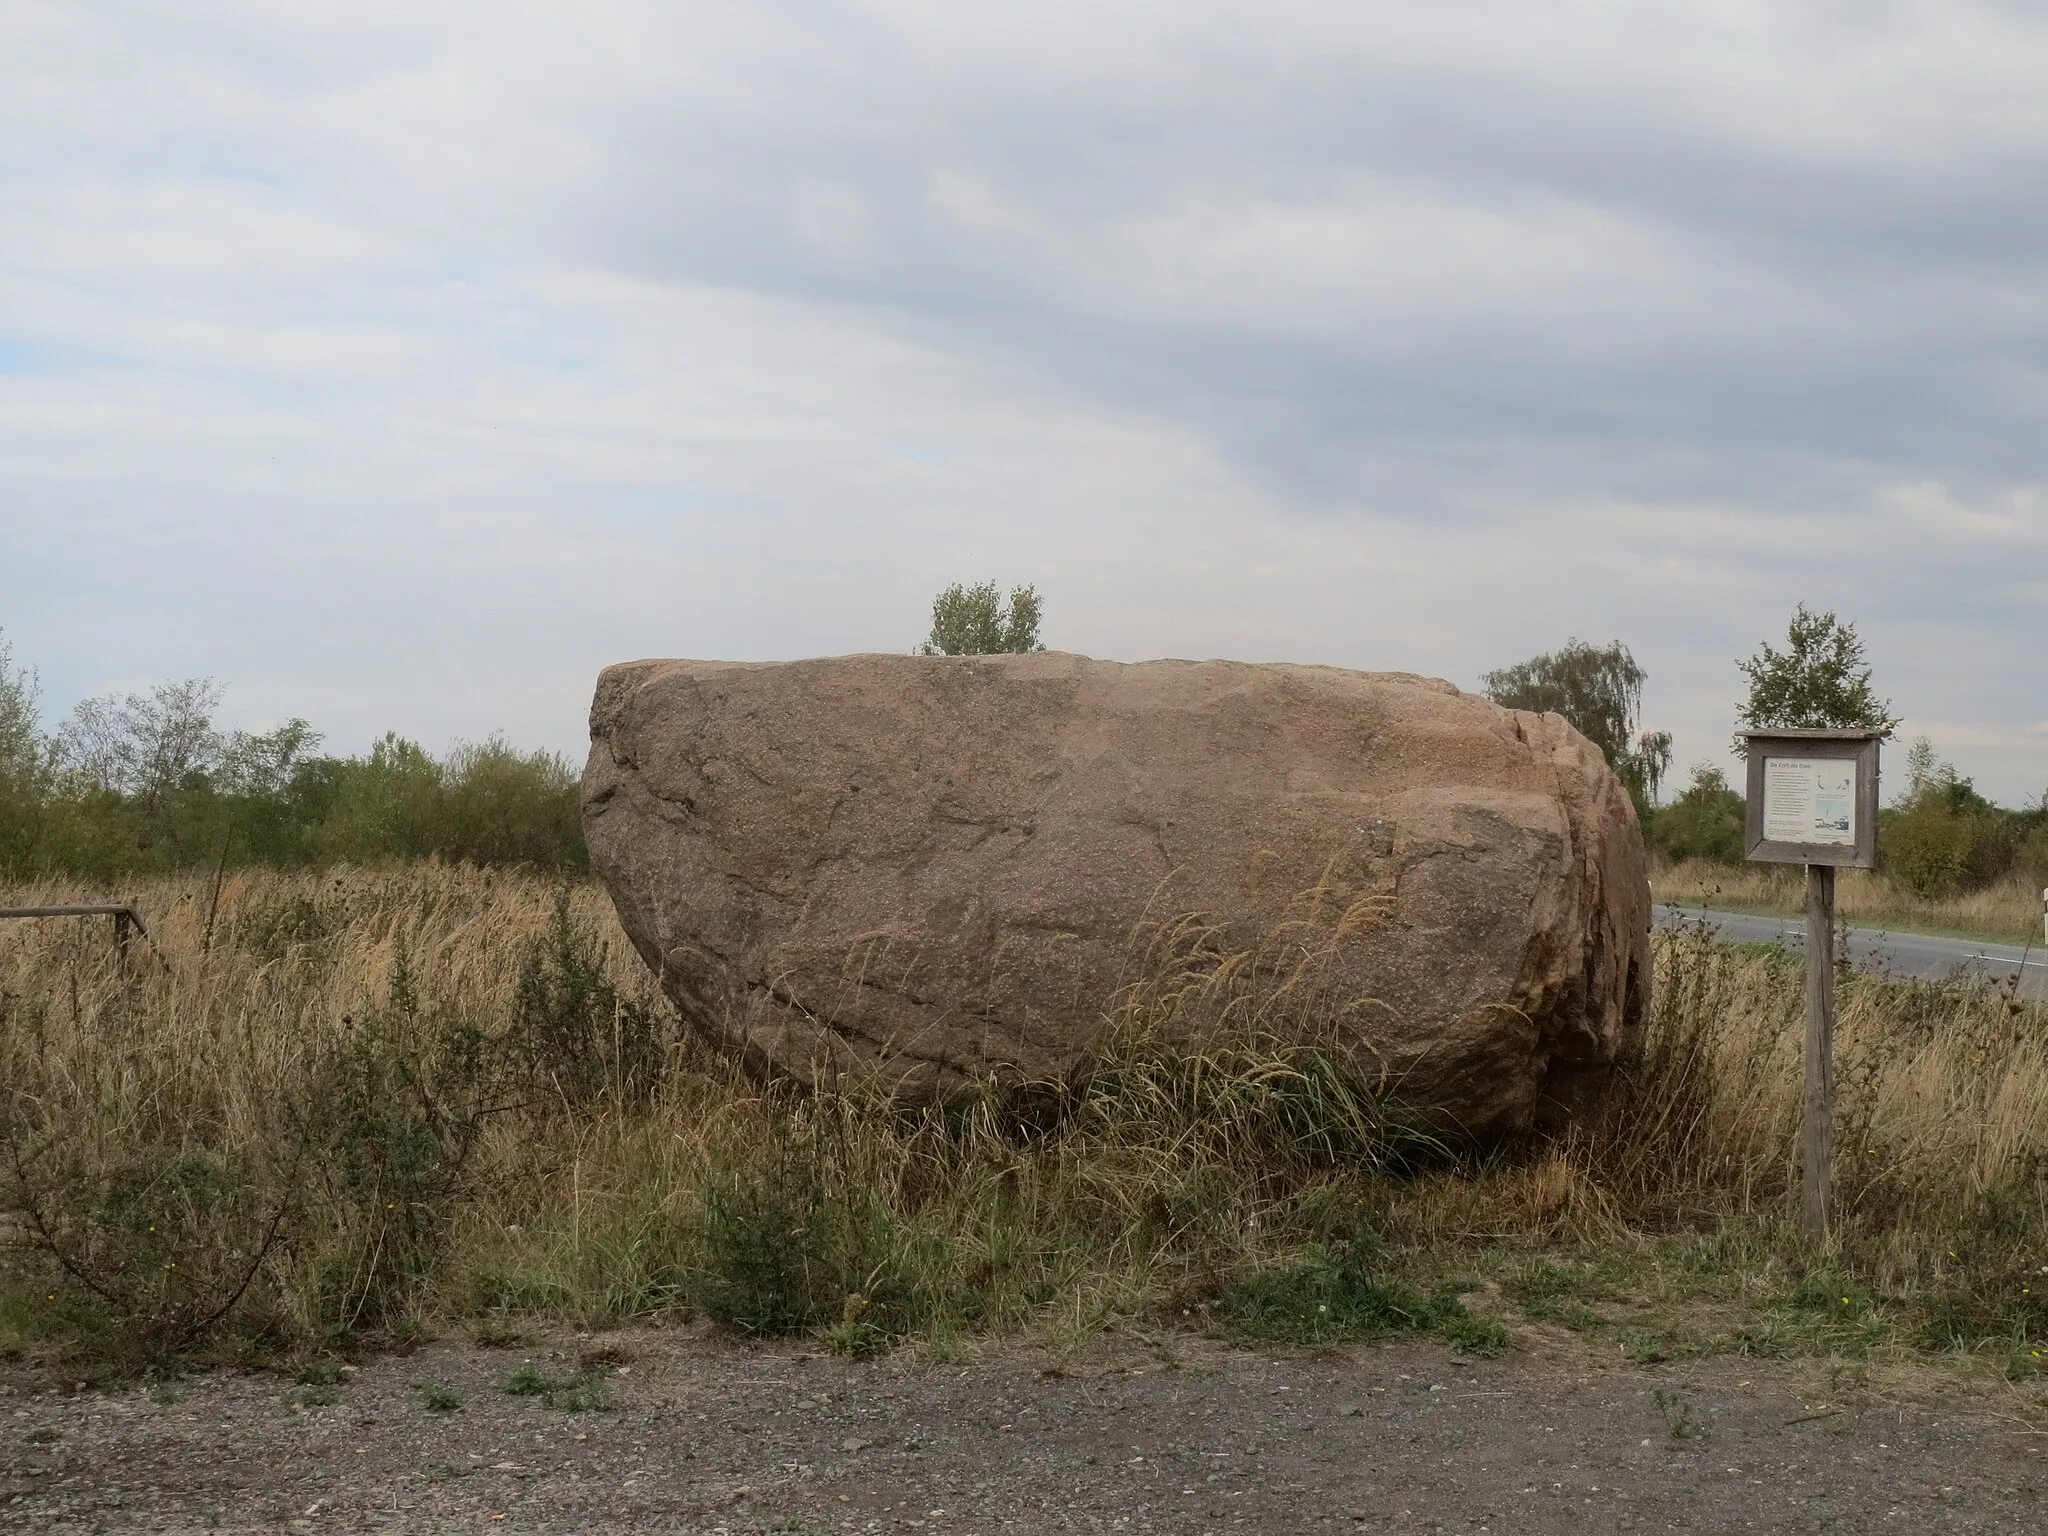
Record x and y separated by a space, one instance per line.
400 365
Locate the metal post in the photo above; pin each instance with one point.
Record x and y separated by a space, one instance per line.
1817 1100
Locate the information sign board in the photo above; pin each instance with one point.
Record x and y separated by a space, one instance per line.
1813 797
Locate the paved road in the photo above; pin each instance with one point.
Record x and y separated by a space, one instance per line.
1917 956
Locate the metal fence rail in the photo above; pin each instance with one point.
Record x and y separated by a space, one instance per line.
127 920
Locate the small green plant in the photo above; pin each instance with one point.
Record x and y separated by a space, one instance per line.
323 1373
1643 1347
436 1397
1833 1298
752 1226
153 1240
1992 1292
586 1391
1461 1328
1680 1422
855 1334
1547 1293
317 1396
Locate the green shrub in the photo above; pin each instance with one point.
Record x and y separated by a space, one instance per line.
1930 849
503 806
1704 821
798 1240
386 805
977 621
758 1231
386 1126
2030 847
24 764
1943 836
572 1032
157 1239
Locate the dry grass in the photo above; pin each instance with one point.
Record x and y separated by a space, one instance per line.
169 1110
2009 909
386 1101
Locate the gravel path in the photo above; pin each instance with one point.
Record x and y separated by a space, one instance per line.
1183 1436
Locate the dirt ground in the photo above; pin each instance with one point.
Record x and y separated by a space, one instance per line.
1179 1435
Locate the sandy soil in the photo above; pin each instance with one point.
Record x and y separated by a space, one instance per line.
1179 1435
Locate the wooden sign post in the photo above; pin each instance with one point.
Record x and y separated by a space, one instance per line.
1813 801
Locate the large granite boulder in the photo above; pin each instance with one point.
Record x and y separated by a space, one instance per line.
942 870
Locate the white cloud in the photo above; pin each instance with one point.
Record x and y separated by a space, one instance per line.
402 365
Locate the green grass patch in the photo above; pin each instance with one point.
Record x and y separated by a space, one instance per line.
583 1391
437 1397
1328 1296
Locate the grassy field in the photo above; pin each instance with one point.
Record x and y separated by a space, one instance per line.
321 1114
2008 910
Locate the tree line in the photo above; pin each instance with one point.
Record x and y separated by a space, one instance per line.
145 782
142 782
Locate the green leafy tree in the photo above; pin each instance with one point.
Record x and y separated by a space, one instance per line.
25 762
21 748
1704 821
1599 689
383 806
504 806
264 763
151 770
975 621
1941 834
1820 681
139 772
2030 843
146 745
